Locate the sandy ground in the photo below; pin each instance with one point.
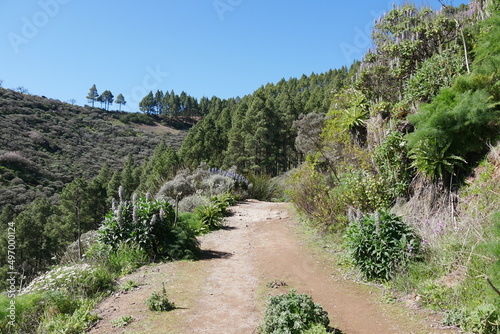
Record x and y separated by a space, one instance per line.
226 291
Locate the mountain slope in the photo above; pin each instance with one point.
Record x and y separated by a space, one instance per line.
45 143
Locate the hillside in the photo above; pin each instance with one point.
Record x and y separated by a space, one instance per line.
45 143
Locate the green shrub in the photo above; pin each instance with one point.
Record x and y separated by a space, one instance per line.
293 313
76 322
122 321
210 215
28 310
312 196
381 244
122 260
82 280
261 187
126 258
391 158
194 222
364 191
48 312
159 302
317 329
149 224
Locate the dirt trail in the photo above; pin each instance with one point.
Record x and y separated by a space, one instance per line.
226 291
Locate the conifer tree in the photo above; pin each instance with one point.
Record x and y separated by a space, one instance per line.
92 96
120 100
147 104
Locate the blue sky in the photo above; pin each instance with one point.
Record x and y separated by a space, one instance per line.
227 48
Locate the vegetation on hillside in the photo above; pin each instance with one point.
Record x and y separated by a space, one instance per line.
397 157
45 144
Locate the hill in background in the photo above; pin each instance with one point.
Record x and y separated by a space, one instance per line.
45 143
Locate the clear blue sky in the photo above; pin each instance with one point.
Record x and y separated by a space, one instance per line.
227 48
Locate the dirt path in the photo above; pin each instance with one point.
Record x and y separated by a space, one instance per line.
226 291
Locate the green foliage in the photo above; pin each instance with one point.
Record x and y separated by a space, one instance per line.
79 279
317 329
138 118
459 122
256 133
49 312
76 322
194 222
28 310
391 159
61 142
405 38
313 196
293 313
350 110
381 244
484 319
159 302
363 191
212 213
122 259
150 225
435 73
261 187
434 161
129 285
451 130
122 321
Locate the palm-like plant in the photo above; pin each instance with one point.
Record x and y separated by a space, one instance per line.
433 160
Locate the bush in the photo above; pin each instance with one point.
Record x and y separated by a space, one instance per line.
381 244
81 280
313 196
194 222
48 312
190 203
210 215
261 188
71 323
293 313
28 310
159 302
150 225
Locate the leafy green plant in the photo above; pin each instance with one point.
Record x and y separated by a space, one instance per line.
293 313
435 161
212 213
149 224
364 191
71 323
381 244
159 302
129 285
28 311
260 187
391 159
122 260
122 321
194 222
79 280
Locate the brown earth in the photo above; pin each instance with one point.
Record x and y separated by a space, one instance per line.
262 251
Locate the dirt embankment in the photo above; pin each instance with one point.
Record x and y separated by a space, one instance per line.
226 291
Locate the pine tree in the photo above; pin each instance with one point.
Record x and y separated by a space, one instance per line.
75 208
129 177
92 95
158 102
120 100
147 104
97 196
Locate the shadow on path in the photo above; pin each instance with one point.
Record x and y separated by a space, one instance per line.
208 254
